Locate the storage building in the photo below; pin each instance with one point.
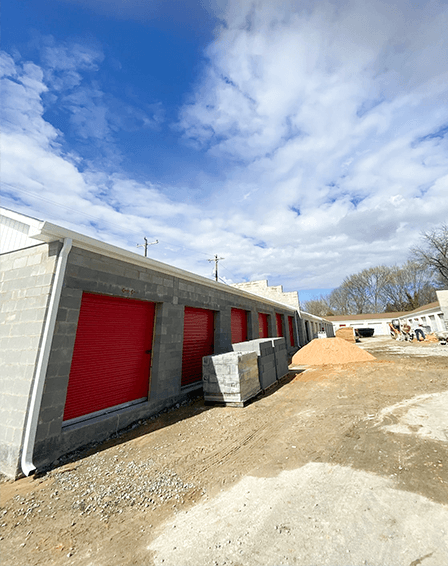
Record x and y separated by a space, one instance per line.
94 338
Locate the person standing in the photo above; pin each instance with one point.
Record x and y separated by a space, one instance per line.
418 331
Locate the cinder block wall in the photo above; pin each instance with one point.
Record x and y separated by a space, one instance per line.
274 292
91 272
302 332
25 286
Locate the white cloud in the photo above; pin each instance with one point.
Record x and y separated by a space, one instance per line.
322 116
327 107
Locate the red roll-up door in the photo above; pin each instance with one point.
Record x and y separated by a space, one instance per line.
291 330
238 325
198 342
279 321
263 325
112 354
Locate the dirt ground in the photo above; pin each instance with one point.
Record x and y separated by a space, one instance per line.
341 464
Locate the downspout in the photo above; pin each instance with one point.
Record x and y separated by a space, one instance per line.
42 361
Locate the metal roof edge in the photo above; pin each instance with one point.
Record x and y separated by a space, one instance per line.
47 232
314 316
22 218
434 306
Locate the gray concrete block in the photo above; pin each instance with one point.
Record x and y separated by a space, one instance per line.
34 259
13 275
280 355
33 315
42 432
50 414
61 355
95 430
55 428
128 416
54 398
5 330
36 291
17 403
30 328
68 328
44 280
266 358
230 377
71 302
9 306
146 276
16 386
17 436
9 460
3 433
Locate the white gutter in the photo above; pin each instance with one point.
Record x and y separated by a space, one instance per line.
42 361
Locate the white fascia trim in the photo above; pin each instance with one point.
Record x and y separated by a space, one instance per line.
42 361
307 315
32 222
418 314
48 232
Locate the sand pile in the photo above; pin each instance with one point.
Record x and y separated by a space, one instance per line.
431 338
346 333
324 351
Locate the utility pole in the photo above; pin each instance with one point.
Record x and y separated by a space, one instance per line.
146 244
216 259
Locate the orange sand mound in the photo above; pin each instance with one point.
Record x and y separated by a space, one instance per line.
324 351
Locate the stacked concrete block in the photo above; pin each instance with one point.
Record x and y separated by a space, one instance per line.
266 358
281 356
230 378
25 286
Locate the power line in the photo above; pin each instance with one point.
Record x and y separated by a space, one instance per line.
232 275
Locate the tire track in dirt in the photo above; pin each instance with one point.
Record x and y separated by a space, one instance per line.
250 445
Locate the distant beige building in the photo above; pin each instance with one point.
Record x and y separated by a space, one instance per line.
275 293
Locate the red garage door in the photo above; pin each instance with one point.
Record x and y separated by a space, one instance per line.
263 325
238 325
291 330
112 355
279 321
198 342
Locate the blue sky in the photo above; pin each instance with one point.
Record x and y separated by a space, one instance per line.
301 141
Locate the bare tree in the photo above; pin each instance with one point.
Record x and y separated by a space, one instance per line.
433 253
318 306
375 279
391 289
353 294
409 287
379 289
338 300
